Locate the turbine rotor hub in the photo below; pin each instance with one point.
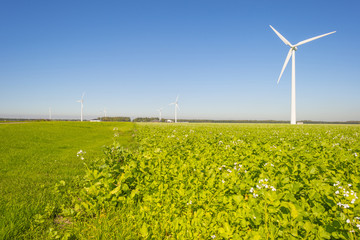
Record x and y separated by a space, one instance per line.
295 48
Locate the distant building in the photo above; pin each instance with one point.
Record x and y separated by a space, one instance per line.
169 121
300 123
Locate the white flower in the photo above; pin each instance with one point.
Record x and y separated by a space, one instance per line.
223 181
220 168
258 186
355 154
213 236
254 217
337 192
189 203
251 190
349 185
348 220
266 180
229 170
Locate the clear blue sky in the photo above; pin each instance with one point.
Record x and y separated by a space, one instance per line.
220 57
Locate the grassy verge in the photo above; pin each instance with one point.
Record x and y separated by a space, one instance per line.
35 156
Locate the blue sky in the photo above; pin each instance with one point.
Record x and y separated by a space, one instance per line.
220 57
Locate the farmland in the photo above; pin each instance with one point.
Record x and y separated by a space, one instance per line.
218 181
202 181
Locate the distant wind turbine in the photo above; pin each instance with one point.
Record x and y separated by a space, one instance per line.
176 107
160 114
104 112
291 53
82 106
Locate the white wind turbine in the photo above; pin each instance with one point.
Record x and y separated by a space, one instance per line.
82 106
105 112
160 114
291 52
176 107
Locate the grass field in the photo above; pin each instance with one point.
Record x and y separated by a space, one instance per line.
34 156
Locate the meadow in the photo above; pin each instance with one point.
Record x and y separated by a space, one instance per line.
188 181
34 156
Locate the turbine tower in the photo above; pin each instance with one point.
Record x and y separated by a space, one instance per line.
291 53
160 114
176 107
82 106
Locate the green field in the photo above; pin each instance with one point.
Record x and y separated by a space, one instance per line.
36 155
182 181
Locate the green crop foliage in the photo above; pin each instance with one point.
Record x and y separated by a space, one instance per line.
218 181
34 156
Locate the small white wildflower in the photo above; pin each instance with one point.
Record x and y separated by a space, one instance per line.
348 220
355 154
258 186
272 165
189 203
220 168
349 185
337 192
255 195
353 201
266 179
213 236
223 181
229 170
235 163
251 190
254 217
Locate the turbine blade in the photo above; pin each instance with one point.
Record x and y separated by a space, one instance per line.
285 63
82 96
281 37
177 106
177 98
312 39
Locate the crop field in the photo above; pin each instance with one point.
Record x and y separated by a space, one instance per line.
218 181
34 156
193 181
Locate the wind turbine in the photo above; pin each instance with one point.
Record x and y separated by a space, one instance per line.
82 105
104 112
176 107
160 114
291 53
